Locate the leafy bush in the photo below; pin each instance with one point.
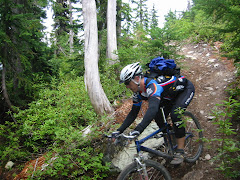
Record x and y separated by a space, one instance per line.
110 82
54 123
228 152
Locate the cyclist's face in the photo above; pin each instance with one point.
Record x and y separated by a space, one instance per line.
132 86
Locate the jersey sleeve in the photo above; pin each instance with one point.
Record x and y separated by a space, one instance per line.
153 89
137 99
153 92
153 108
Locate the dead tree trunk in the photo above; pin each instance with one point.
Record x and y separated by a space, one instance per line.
4 90
111 32
97 96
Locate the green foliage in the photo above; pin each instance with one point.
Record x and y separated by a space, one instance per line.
227 14
22 51
72 163
160 44
55 123
194 25
144 46
205 29
178 29
110 82
228 152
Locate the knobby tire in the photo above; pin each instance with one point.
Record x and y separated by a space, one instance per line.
193 145
155 171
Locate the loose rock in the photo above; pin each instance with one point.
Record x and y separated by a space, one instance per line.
9 165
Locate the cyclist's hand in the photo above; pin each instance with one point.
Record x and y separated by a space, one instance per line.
134 133
115 134
115 137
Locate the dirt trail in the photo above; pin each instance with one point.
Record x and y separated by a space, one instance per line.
211 75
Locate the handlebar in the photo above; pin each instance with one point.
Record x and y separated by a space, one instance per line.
121 135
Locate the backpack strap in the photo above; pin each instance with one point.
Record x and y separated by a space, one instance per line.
148 80
175 83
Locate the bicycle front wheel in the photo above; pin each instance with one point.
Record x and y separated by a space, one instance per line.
193 142
154 171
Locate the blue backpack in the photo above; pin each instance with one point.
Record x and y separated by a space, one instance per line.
160 66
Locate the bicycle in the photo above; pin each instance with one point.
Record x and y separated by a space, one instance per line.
148 169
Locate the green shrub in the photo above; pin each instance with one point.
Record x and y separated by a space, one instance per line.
54 123
228 152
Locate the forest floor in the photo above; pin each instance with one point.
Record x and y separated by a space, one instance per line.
210 74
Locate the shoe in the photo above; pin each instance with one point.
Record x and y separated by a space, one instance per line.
178 158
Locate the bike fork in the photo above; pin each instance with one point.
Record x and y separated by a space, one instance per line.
142 168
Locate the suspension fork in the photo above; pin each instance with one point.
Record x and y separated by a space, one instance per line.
141 166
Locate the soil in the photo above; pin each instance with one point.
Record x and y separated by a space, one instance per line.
211 74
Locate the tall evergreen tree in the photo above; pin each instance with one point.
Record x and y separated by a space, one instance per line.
126 18
61 22
23 52
154 20
141 13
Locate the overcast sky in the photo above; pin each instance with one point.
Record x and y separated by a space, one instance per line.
162 7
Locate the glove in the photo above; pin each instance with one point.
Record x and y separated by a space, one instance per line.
115 134
134 133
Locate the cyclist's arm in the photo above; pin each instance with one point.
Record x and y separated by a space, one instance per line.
153 107
153 93
137 102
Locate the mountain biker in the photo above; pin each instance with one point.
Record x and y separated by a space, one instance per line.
157 92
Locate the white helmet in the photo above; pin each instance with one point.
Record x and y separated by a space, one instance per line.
129 72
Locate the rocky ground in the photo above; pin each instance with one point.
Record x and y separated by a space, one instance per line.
211 75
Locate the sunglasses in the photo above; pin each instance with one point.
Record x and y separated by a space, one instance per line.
127 82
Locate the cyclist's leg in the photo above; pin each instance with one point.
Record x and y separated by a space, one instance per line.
181 102
159 117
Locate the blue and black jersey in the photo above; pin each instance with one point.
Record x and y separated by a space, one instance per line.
165 87
156 90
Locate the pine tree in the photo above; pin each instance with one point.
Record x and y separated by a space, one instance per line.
23 52
141 13
154 20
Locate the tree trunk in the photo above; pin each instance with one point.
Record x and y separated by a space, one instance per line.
71 27
15 58
111 32
4 89
92 80
119 19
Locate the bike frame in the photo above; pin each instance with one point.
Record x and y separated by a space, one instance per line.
140 147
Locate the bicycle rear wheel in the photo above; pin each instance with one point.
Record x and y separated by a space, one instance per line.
154 170
193 142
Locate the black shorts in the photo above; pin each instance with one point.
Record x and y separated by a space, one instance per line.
182 100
